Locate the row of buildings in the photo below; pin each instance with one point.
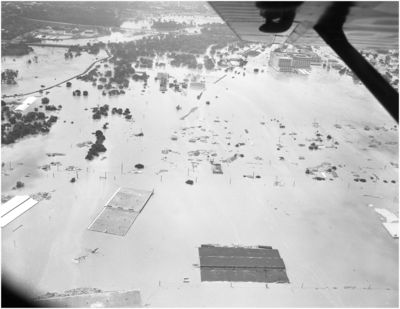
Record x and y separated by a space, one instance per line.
284 61
197 82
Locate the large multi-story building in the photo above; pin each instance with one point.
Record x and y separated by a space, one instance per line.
301 61
281 62
163 78
284 61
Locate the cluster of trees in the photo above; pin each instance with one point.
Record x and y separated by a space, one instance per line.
97 146
77 93
113 92
118 111
185 43
100 111
144 63
313 146
123 70
208 63
19 184
89 76
116 80
68 55
144 77
51 108
89 48
169 25
9 76
188 60
17 49
16 125
118 77
94 49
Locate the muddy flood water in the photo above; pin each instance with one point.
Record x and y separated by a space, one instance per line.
334 246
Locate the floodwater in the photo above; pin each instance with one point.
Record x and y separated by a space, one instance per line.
330 240
51 68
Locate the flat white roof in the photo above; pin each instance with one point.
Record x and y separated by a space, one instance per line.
29 100
16 212
11 204
390 217
392 228
24 105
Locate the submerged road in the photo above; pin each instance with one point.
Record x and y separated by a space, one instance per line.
223 76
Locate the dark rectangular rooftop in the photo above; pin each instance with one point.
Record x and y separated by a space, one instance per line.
255 264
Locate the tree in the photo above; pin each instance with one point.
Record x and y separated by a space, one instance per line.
8 76
50 108
96 115
29 117
20 184
40 116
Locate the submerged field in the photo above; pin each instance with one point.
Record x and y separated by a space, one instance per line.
333 243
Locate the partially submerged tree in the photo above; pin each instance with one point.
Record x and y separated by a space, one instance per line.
9 76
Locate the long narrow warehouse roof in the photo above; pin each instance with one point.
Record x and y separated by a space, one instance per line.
261 264
11 204
17 211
